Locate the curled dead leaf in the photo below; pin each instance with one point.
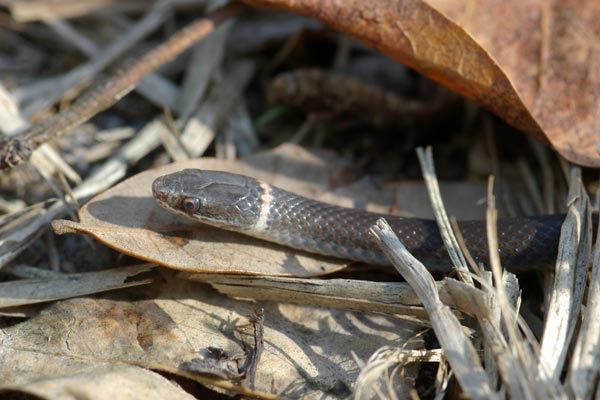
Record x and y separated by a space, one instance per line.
532 63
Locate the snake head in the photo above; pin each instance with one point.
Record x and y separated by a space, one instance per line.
216 198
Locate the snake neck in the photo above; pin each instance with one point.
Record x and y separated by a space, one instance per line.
305 224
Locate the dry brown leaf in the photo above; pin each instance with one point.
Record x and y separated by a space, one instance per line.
127 218
532 63
307 349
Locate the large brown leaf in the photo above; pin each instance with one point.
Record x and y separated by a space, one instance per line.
308 350
127 218
531 62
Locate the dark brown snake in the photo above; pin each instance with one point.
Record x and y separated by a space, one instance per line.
255 208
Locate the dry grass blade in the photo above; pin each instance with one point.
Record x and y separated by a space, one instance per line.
459 350
585 363
569 284
513 355
199 131
523 375
458 259
200 70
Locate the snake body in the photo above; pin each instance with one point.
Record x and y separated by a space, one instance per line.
252 207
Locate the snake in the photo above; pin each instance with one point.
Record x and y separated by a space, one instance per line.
253 207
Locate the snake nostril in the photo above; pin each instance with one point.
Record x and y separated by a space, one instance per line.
157 190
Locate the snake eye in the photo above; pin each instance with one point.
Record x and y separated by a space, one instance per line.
191 204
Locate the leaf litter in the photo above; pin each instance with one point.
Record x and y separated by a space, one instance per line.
169 324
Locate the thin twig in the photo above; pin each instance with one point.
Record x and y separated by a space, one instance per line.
17 150
257 320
